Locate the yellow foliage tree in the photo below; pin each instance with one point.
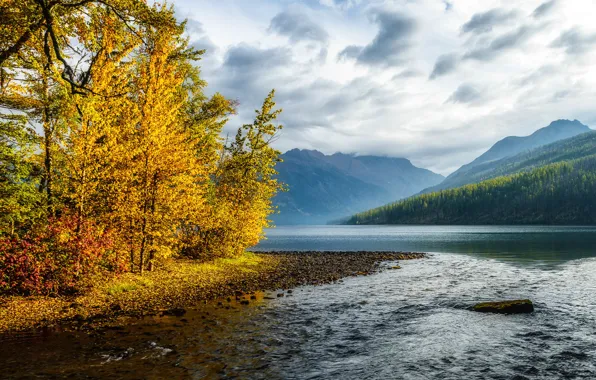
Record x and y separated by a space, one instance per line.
241 190
162 177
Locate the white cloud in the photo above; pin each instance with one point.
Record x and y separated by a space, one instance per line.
431 82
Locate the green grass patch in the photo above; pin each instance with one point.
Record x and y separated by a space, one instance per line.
122 287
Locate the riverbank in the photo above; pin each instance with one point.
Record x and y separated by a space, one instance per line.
183 283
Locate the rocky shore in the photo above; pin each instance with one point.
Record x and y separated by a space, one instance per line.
180 284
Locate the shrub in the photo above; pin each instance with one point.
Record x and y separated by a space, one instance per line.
62 257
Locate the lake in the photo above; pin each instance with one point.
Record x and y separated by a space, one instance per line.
412 323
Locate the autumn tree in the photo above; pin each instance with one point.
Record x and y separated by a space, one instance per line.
241 189
161 181
107 137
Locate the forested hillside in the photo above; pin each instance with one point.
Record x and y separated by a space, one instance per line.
508 150
561 193
582 145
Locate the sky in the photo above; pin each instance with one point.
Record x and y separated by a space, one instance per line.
434 81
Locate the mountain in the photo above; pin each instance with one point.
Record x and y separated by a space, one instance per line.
564 150
502 153
326 187
559 193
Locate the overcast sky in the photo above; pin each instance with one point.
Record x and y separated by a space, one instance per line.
434 81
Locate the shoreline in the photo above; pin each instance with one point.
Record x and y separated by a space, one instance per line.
183 284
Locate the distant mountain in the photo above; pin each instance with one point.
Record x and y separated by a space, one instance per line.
551 184
504 151
559 193
323 188
564 150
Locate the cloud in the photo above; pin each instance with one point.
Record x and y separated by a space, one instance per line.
465 94
389 46
408 73
546 71
199 39
502 43
341 4
516 78
485 21
249 58
444 65
297 27
544 9
575 41
350 52
249 72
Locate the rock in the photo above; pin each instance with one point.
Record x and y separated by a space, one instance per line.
280 294
505 307
289 291
396 267
177 312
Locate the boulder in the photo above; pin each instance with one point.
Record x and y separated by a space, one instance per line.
505 307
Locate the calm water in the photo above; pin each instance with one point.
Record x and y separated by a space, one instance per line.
402 324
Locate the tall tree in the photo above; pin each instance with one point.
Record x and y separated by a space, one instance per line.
241 189
164 181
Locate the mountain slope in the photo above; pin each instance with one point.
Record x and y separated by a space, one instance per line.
561 193
572 148
509 150
322 188
396 175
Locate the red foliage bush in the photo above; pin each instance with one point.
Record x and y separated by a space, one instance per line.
60 258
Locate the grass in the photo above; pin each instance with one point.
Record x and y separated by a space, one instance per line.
121 288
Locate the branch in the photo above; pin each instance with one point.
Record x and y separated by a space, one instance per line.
5 54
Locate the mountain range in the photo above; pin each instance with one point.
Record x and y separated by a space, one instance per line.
329 188
323 187
530 180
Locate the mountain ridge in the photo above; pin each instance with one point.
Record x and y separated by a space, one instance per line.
512 146
326 187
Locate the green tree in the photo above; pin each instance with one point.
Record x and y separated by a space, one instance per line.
19 197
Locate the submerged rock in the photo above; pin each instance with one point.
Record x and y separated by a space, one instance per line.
505 307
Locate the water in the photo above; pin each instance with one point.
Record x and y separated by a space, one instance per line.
412 323
532 244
